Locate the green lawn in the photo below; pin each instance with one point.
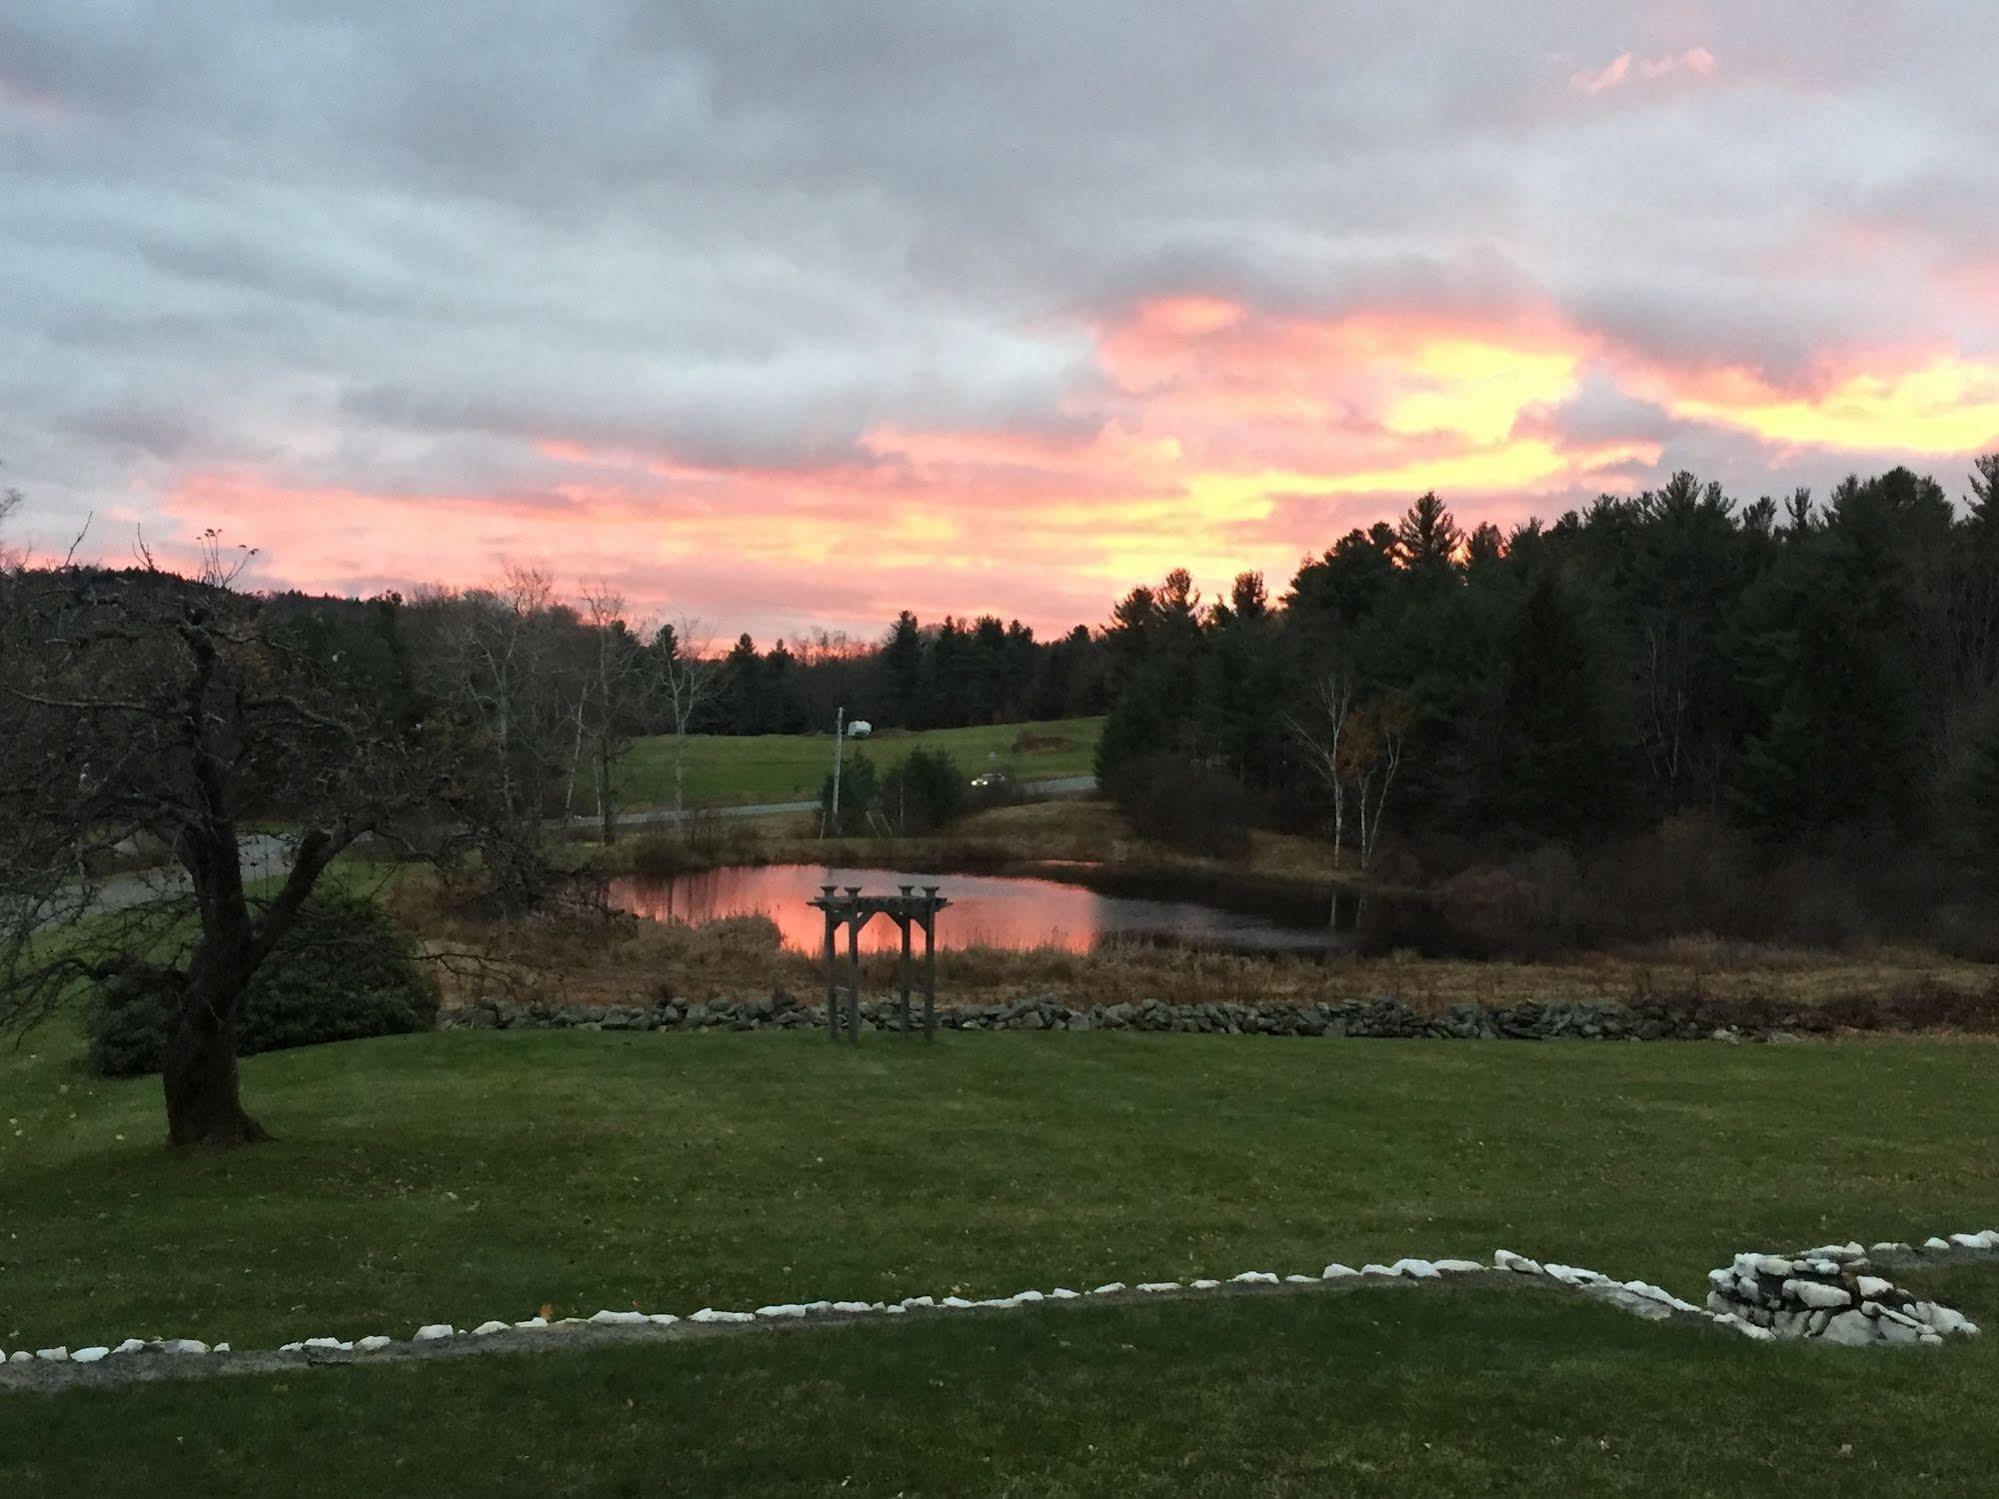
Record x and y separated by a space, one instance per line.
468 1175
733 770
1439 1393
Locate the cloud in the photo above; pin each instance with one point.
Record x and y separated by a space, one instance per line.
1942 406
799 312
1612 73
1695 62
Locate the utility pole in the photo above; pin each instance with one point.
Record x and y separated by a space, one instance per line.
839 743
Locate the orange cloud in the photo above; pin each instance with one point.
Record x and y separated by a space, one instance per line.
1221 438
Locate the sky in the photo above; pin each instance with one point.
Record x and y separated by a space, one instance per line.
792 314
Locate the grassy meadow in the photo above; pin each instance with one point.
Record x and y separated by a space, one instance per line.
739 770
459 1176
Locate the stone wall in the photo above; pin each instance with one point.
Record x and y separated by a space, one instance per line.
1834 1292
1382 1017
1759 1297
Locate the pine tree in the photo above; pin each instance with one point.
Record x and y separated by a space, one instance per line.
1979 797
902 672
1428 538
1559 766
1985 502
742 687
1485 547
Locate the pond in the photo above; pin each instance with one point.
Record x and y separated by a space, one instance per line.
985 911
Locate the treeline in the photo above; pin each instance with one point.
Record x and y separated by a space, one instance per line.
1792 672
952 674
544 696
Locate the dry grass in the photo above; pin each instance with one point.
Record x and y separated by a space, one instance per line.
1028 838
583 957
626 960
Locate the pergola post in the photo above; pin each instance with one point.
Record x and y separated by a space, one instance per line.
902 921
854 963
832 988
930 962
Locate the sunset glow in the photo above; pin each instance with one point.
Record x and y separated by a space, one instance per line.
1948 406
1366 412
861 348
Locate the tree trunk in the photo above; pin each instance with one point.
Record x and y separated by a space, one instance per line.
199 1074
608 824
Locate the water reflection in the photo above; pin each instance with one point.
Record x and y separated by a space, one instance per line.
985 911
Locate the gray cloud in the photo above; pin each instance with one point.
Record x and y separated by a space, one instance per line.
390 246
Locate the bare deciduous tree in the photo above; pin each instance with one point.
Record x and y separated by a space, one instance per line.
150 706
494 657
12 559
688 678
614 689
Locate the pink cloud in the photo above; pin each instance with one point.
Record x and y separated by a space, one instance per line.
1695 62
1219 438
22 100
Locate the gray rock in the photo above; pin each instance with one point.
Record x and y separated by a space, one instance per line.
1851 1330
1813 1294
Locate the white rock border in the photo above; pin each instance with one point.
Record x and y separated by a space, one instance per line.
1929 1326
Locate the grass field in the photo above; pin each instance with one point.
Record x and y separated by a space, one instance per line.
464 1175
728 770
1434 1393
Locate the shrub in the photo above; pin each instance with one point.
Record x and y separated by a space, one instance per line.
924 793
859 791
344 971
1184 806
1001 791
661 856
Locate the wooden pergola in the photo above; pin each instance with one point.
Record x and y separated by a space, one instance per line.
853 911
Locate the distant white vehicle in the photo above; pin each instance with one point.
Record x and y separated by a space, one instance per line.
860 728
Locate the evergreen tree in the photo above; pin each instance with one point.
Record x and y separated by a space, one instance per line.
1979 797
1428 538
1485 548
1559 764
902 674
781 705
988 656
1985 491
860 794
741 704
923 793
1798 512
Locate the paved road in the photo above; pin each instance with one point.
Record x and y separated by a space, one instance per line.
268 855
264 856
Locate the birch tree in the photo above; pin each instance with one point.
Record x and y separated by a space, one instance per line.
1323 734
1355 749
688 679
